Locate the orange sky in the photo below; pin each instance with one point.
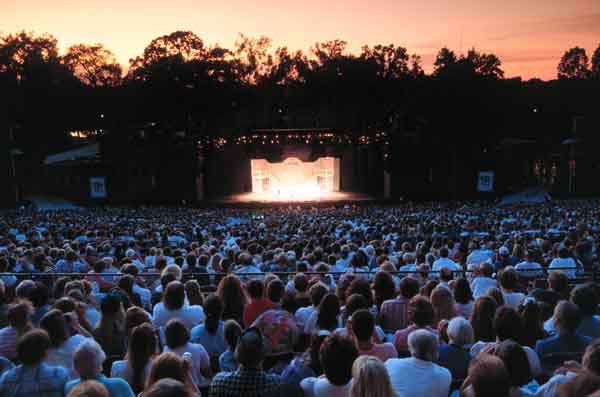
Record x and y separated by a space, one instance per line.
529 36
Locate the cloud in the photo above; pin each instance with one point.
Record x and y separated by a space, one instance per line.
581 24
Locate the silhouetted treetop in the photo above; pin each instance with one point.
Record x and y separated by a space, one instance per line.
574 64
94 65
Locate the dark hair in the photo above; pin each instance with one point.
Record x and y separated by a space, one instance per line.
384 287
301 282
591 357
142 346
531 323
167 365
313 352
213 307
232 295
420 311
482 319
567 316
496 295
174 296
110 304
409 287
328 311
337 356
168 387
507 323
488 376
176 333
317 292
39 295
275 290
558 281
585 297
255 288
361 286
462 291
231 333
250 349
65 305
55 325
516 362
509 279
353 303
363 324
32 347
581 385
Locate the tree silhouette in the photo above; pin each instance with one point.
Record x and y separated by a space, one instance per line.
184 44
21 52
484 64
328 50
252 60
596 63
94 65
574 64
445 59
391 61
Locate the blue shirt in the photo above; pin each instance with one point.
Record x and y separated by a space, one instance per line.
227 362
213 343
562 343
40 380
455 359
116 387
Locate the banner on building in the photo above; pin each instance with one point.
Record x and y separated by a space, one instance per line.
98 187
485 181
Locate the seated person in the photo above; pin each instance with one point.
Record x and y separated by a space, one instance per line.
363 326
420 313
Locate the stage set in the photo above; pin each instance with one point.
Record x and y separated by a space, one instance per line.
293 166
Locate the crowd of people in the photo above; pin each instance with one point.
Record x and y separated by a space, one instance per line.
413 300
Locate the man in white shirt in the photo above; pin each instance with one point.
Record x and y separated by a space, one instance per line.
483 281
564 263
528 268
418 376
444 261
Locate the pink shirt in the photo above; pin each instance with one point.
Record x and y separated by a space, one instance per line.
401 336
382 351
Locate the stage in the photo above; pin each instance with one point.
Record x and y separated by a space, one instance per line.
329 198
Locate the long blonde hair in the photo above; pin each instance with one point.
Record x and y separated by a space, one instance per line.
370 378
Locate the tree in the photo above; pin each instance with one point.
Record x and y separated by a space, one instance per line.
487 65
391 61
574 64
445 59
328 50
94 65
21 52
596 63
252 59
416 70
185 45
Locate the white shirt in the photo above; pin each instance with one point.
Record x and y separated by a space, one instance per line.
513 299
550 388
62 356
144 293
321 387
303 314
190 315
480 285
121 369
8 342
200 360
529 269
445 263
411 377
563 264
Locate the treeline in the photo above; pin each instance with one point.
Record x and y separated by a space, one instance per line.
181 82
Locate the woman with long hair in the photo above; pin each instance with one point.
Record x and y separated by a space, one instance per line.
173 306
210 333
170 365
370 378
463 296
443 305
232 295
110 332
326 318
18 324
482 319
532 323
136 366
384 288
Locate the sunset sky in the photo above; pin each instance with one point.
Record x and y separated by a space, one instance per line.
529 36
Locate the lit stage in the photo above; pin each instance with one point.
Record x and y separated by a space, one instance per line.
326 198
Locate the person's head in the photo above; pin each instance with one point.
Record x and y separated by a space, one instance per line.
460 332
384 287
443 252
141 349
174 296
167 365
317 292
488 377
168 388
250 349
213 307
135 316
231 292
423 345
591 357
193 292
516 362
482 319
337 356
275 290
89 388
409 287
361 286
231 333
370 378
328 312
18 315
586 299
567 317
176 334
509 279
111 305
462 291
443 303
88 359
39 295
579 386
353 303
486 269
56 326
301 283
420 311
255 289
558 282
507 323
363 325
33 346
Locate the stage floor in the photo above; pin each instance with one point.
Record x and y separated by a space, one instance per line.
329 198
